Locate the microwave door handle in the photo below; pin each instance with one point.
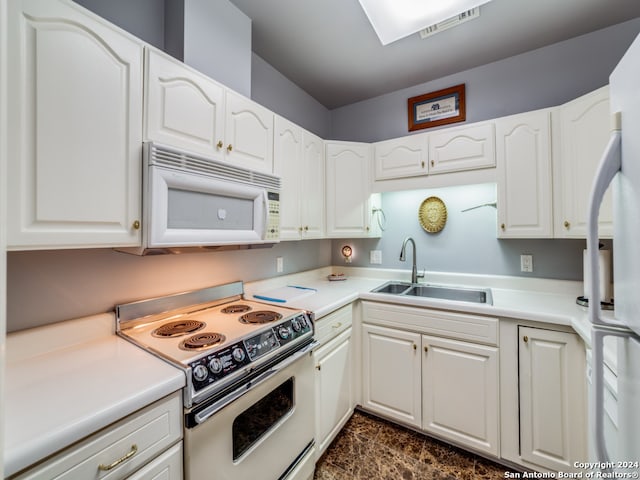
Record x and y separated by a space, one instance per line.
609 166
265 222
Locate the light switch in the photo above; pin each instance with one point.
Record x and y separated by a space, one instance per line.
375 257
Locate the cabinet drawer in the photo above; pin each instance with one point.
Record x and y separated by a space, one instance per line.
167 466
461 326
333 324
135 439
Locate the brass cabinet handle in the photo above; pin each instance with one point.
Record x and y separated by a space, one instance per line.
219 144
502 226
426 349
566 224
306 228
422 164
229 147
525 338
415 347
433 163
318 367
337 325
132 452
136 225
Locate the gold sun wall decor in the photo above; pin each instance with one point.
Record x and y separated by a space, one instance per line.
432 214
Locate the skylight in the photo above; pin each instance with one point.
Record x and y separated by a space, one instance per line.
396 19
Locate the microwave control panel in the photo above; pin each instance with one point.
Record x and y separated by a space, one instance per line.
273 216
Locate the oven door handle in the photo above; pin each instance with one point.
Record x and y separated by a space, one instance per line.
215 407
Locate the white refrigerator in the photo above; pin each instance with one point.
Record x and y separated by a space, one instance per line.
620 167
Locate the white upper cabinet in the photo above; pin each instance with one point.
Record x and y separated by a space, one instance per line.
523 163
401 157
584 133
248 133
299 161
348 189
312 198
462 148
187 109
184 108
75 136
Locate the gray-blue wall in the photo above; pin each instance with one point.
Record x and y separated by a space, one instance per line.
541 78
279 94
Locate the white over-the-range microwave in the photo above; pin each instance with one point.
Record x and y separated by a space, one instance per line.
191 203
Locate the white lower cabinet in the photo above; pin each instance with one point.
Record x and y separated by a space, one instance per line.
444 386
460 392
334 376
143 446
391 367
552 398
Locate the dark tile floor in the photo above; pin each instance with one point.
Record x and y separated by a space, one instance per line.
370 448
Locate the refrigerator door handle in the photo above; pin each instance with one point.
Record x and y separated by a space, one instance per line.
609 166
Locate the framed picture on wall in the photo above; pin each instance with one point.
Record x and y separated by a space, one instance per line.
437 108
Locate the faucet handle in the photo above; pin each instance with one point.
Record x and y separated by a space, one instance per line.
420 275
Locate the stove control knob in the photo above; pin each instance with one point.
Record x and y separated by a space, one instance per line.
200 373
295 324
283 332
238 354
215 365
303 321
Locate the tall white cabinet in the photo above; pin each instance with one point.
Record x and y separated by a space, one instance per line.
584 130
299 161
75 135
350 205
523 165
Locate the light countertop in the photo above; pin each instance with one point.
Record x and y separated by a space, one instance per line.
68 380
542 300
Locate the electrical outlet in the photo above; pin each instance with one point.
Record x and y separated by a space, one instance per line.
279 264
526 263
375 257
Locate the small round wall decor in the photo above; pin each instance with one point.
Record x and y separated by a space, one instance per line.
432 214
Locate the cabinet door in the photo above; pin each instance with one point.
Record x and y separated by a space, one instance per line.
348 189
166 466
184 108
462 148
523 161
248 133
75 132
312 198
401 157
584 133
460 392
552 398
288 165
334 389
391 379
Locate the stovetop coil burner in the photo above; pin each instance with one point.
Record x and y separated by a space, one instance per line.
236 308
202 340
178 328
260 316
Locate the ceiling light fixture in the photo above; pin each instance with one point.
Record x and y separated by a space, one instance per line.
395 19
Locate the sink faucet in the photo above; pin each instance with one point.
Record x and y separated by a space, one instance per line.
414 270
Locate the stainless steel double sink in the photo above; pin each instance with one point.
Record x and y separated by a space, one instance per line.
459 294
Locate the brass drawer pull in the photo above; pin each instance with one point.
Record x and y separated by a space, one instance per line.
229 148
337 325
525 338
219 144
132 452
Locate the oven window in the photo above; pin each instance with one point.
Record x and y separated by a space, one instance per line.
257 420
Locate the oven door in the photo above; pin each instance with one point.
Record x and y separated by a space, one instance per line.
265 432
